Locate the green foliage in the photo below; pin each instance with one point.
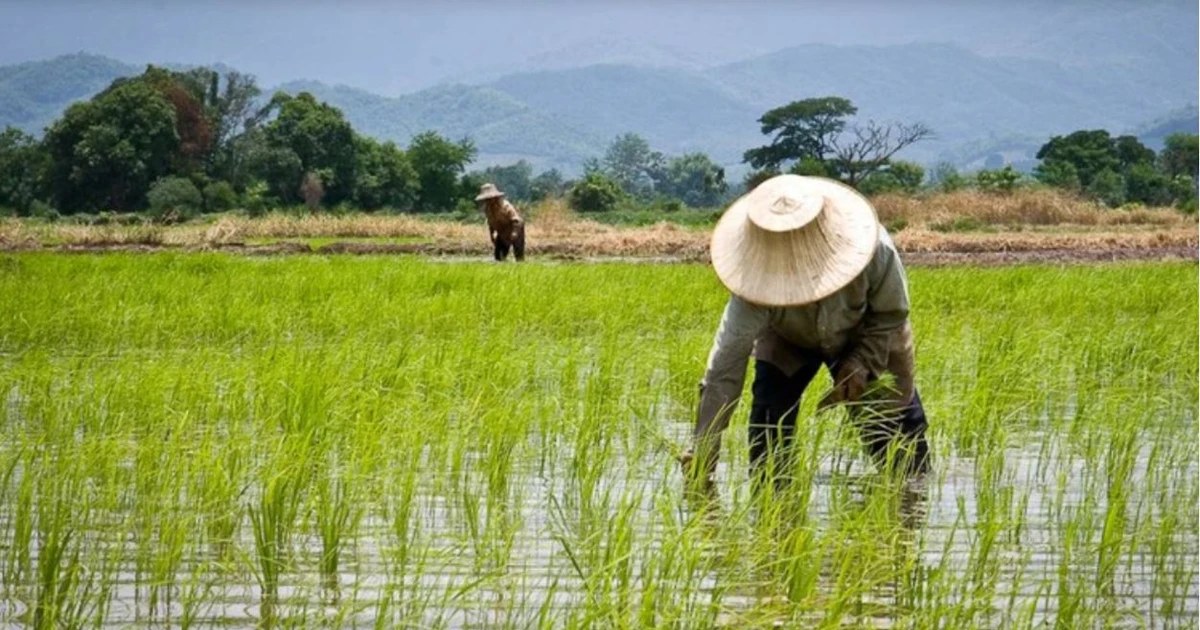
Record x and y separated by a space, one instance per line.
1060 174
384 176
754 178
1145 184
1001 181
804 128
23 164
812 167
1181 154
946 178
1108 187
547 184
105 153
515 180
694 179
1090 152
174 199
321 141
438 163
899 176
596 192
631 163
1131 152
219 197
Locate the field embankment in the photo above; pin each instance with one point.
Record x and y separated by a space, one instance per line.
968 226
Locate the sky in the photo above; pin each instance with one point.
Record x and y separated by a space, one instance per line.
398 47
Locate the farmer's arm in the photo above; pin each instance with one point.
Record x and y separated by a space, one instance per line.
726 372
887 311
510 212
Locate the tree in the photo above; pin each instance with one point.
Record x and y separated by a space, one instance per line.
1145 184
1108 187
438 163
320 138
1131 152
596 192
868 148
1059 174
514 179
804 128
695 180
946 178
104 153
234 113
631 162
384 176
1090 152
174 199
547 184
1181 154
23 163
1002 181
899 176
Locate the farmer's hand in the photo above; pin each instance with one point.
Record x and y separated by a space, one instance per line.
849 384
698 484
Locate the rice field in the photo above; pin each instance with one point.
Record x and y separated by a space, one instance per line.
208 440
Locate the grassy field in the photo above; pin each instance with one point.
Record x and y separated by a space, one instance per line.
206 439
966 222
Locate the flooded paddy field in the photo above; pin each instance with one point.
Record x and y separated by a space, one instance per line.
210 440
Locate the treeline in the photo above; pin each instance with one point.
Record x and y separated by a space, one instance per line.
175 144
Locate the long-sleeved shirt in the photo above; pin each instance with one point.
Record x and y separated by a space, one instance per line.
502 219
864 322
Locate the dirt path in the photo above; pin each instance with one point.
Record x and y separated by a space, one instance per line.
466 252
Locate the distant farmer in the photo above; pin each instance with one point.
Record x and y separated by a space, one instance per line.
505 227
815 281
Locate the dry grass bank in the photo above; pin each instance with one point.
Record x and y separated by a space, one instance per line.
963 222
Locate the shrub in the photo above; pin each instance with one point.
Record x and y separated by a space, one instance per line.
595 193
219 197
174 199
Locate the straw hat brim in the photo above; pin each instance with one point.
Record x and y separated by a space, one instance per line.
789 267
490 195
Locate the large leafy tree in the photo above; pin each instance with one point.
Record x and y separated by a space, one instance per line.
23 163
1181 154
1088 152
439 163
815 136
317 137
804 128
516 180
694 179
106 152
631 162
384 176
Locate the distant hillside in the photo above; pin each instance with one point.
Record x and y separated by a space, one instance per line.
34 94
982 109
1185 120
503 128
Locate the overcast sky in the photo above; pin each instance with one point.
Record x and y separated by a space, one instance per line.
395 47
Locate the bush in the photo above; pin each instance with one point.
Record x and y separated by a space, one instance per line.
41 210
219 197
1001 181
174 199
595 193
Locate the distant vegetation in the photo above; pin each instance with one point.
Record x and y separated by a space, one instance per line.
174 144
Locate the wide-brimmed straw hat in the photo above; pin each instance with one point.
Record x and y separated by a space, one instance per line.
488 191
794 240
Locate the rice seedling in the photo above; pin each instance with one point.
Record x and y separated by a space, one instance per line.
204 439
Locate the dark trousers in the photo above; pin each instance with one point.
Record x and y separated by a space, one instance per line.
773 421
517 244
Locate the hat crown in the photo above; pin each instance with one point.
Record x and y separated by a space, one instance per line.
786 210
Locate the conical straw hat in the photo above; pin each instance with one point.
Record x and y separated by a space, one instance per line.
488 191
794 240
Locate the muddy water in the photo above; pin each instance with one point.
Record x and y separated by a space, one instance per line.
453 579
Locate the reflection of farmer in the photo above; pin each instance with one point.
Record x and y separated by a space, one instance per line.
504 224
815 281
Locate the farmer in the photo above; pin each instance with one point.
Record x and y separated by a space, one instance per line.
815 280
505 227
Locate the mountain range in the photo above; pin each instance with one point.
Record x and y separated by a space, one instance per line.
981 108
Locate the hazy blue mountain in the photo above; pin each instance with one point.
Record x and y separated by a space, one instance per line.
34 94
503 128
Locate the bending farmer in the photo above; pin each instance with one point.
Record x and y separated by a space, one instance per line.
505 227
815 281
